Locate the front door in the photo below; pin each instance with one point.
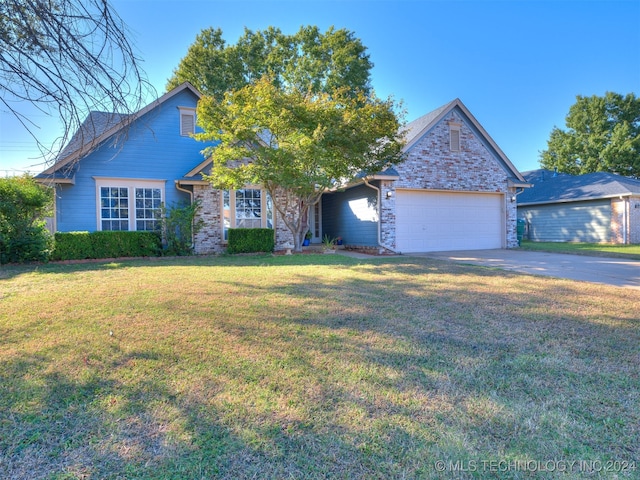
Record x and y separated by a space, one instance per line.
315 222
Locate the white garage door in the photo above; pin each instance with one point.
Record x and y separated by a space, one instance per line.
439 221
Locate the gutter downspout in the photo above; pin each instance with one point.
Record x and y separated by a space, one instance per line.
366 182
182 189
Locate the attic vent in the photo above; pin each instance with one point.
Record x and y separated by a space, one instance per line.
454 136
187 121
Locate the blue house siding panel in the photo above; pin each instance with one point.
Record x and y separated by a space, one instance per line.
153 149
569 222
352 215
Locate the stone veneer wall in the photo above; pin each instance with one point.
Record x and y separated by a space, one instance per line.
388 214
432 165
209 239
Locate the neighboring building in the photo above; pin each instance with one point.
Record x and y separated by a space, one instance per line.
455 190
596 207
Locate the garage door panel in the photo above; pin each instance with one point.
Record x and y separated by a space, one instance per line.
439 221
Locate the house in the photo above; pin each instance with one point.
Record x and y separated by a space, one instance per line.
455 189
596 207
117 170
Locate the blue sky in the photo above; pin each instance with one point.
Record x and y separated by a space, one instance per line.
517 65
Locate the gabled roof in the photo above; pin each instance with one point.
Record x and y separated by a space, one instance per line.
419 127
98 127
549 187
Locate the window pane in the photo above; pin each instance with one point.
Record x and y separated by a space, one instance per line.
148 204
248 206
114 204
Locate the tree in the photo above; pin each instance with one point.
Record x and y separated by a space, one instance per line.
296 115
308 60
296 144
603 135
68 57
23 206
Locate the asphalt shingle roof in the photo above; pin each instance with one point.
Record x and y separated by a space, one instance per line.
549 187
91 129
415 127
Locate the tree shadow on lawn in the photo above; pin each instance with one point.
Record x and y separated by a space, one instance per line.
556 376
362 378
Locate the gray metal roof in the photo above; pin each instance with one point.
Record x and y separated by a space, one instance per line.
551 187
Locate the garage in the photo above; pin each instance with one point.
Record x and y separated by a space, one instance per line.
569 222
440 221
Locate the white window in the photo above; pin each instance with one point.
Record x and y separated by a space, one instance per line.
148 205
125 204
114 208
187 121
454 136
246 208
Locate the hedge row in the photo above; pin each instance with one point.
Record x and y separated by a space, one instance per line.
250 240
105 244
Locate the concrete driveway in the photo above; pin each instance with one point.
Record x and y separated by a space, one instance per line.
611 271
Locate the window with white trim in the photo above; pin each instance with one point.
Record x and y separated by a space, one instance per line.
246 208
114 208
129 204
148 204
187 121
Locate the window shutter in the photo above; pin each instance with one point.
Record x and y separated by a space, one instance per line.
187 124
454 137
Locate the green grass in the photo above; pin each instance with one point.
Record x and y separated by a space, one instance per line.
312 366
596 249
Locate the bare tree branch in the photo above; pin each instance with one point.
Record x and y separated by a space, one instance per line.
69 57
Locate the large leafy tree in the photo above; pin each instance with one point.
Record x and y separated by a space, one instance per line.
65 58
602 135
295 114
308 60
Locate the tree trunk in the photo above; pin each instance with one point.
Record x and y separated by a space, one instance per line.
294 213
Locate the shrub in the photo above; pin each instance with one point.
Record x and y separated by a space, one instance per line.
178 228
73 246
249 240
23 206
105 244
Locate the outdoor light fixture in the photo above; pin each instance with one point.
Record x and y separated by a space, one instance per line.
389 194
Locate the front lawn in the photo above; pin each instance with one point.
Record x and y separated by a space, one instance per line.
596 249
314 366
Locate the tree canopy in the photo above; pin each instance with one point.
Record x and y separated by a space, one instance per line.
602 135
295 114
66 57
308 60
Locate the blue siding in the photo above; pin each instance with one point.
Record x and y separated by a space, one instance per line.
352 215
568 222
153 149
